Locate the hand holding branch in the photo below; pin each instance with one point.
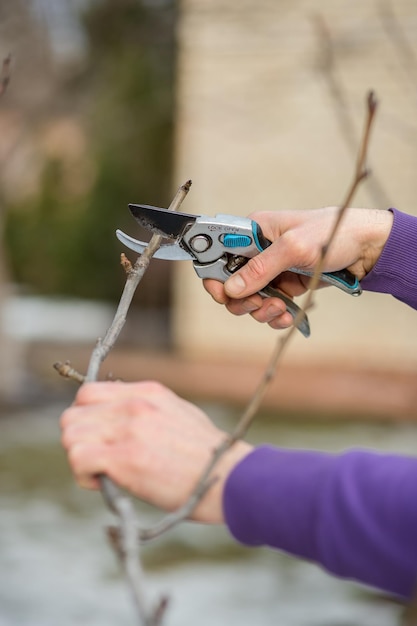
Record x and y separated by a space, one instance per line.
149 441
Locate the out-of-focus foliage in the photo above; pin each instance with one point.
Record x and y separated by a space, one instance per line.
61 239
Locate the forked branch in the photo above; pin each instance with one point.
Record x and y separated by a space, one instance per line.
134 276
124 536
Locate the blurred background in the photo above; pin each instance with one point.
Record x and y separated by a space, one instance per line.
261 104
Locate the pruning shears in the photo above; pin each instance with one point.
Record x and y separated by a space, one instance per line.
218 246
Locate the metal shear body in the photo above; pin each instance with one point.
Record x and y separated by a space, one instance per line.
218 246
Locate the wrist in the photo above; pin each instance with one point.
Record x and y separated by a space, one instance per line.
374 237
210 509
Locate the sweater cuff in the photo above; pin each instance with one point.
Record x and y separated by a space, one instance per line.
396 270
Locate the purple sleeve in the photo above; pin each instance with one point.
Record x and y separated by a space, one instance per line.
353 513
396 269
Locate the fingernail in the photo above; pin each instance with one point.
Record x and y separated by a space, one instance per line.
234 285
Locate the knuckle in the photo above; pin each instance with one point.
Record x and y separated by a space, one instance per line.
266 220
296 247
235 308
123 431
258 216
244 305
281 322
216 290
67 438
255 268
131 407
76 456
152 387
84 470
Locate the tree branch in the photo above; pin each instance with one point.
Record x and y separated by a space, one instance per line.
207 478
134 276
124 536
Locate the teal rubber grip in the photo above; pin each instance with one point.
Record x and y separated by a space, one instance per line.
231 240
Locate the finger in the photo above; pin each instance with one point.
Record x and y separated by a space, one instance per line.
114 391
87 461
281 322
285 252
88 416
109 422
244 306
271 309
292 284
216 289
94 428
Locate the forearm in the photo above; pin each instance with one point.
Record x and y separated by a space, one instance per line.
355 514
396 270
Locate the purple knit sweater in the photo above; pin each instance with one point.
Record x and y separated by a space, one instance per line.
354 513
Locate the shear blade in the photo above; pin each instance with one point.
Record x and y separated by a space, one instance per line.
170 224
168 252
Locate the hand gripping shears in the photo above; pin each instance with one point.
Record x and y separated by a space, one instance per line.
218 246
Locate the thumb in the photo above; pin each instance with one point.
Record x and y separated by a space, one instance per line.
256 274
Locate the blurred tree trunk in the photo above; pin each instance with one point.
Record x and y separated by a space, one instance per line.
23 104
11 350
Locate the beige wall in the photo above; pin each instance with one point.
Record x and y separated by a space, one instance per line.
263 125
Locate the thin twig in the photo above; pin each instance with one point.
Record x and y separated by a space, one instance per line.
206 479
182 513
359 175
134 277
117 500
67 371
124 536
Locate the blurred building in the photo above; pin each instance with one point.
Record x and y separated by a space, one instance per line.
269 114
271 105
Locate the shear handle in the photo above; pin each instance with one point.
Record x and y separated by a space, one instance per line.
343 279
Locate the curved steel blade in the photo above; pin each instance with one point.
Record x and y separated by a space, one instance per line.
169 224
168 252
